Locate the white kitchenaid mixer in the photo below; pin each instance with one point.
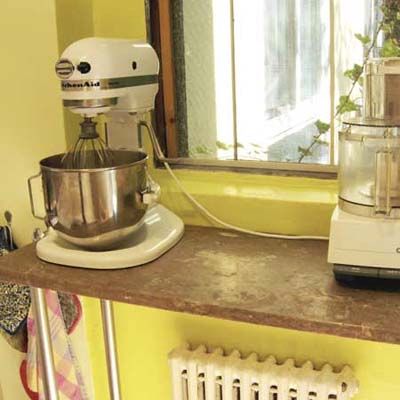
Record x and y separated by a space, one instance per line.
106 218
365 226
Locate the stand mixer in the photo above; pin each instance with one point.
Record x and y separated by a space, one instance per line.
365 226
101 204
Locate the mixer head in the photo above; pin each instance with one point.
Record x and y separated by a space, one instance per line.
99 75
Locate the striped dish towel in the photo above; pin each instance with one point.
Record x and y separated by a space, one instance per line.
69 378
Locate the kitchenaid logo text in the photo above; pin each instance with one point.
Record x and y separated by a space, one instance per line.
87 84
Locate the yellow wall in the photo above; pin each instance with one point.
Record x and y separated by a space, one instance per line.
290 205
30 113
32 126
120 19
145 336
265 203
74 22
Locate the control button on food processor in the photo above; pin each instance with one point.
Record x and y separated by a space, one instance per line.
84 67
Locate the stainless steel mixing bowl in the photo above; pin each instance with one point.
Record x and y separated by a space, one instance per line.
95 208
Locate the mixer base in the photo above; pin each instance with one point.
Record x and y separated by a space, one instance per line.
160 231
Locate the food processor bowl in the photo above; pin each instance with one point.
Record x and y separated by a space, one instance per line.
369 171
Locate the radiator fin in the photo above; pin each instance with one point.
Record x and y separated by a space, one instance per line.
201 374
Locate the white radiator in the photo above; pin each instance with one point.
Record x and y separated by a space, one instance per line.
210 375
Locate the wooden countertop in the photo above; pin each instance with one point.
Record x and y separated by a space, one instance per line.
212 272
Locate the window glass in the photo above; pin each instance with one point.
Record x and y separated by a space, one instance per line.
255 79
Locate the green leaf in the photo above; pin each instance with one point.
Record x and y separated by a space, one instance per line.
390 48
322 142
354 73
303 151
222 145
346 105
202 150
322 126
363 39
387 28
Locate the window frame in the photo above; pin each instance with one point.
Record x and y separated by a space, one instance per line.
159 29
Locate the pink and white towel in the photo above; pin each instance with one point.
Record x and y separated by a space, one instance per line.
69 378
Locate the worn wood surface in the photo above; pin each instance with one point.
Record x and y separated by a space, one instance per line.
220 274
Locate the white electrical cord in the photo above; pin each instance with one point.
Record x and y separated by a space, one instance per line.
160 156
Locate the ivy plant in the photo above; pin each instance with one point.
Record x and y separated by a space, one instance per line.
390 26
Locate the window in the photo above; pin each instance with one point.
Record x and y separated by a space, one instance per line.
245 83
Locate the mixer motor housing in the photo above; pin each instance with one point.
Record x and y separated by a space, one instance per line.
98 75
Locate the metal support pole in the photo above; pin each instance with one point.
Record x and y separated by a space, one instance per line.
44 343
111 350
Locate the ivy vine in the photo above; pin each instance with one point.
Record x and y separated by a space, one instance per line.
390 26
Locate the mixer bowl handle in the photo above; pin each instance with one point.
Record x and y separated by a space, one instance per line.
151 194
33 210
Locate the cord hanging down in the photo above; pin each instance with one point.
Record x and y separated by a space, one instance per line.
161 157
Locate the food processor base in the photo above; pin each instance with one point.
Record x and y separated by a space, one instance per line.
346 271
364 247
160 231
370 278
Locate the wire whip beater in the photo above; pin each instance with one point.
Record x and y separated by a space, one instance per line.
89 151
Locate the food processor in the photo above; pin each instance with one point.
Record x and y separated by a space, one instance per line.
101 205
365 226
